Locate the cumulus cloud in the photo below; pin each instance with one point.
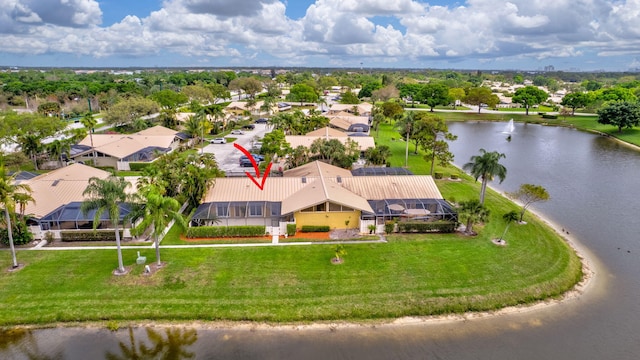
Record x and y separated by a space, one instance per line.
331 31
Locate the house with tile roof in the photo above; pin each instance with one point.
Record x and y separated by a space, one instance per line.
58 197
118 150
321 194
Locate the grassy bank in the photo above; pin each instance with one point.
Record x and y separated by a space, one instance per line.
411 275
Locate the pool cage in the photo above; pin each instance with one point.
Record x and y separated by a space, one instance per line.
411 210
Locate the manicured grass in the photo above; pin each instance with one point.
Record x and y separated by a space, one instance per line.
411 275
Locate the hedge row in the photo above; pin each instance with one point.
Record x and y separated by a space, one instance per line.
547 116
424 227
315 228
225 231
89 235
291 229
138 166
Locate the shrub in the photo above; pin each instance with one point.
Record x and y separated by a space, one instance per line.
225 231
138 166
454 176
424 227
89 235
315 228
438 175
547 116
291 229
21 235
389 226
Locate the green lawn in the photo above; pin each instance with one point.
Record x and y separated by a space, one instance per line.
411 275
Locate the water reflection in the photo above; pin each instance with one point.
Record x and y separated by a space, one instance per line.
164 344
23 344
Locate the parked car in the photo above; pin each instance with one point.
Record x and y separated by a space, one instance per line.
262 121
249 127
218 141
237 132
256 157
245 162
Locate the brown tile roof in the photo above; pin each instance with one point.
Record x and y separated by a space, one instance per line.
157 130
123 145
318 182
59 187
327 132
364 142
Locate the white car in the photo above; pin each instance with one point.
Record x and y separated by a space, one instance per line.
237 132
218 141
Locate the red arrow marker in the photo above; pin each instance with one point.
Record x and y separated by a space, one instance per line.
255 167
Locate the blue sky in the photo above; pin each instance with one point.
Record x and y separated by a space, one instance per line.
475 34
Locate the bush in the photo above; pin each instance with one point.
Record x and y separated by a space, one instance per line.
89 235
315 228
454 176
389 226
291 229
138 166
20 233
424 227
546 116
438 175
225 231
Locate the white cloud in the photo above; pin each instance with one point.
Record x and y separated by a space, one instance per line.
338 31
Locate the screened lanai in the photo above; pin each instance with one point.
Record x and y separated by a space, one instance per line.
70 217
411 209
233 213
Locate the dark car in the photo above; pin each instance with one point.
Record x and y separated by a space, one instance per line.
249 127
245 162
256 157
261 121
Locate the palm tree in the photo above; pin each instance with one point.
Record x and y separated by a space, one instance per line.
22 199
8 192
474 212
406 124
107 195
31 145
57 148
89 122
509 217
159 210
486 166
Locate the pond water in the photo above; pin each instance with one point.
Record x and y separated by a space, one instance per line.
593 183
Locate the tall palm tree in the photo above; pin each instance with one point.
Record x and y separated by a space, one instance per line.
486 166
159 210
107 195
8 191
89 122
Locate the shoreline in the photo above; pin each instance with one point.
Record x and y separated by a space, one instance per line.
589 274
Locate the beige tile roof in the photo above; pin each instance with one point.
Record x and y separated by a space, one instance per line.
363 108
327 132
157 130
316 169
343 122
324 182
123 145
393 187
59 187
364 142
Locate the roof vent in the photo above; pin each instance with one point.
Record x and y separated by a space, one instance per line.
304 180
55 182
339 178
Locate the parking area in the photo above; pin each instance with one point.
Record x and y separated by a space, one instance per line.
228 156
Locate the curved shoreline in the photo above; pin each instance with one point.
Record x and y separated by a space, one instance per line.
588 260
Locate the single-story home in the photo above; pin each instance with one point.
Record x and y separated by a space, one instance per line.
321 194
58 197
362 109
117 150
347 122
